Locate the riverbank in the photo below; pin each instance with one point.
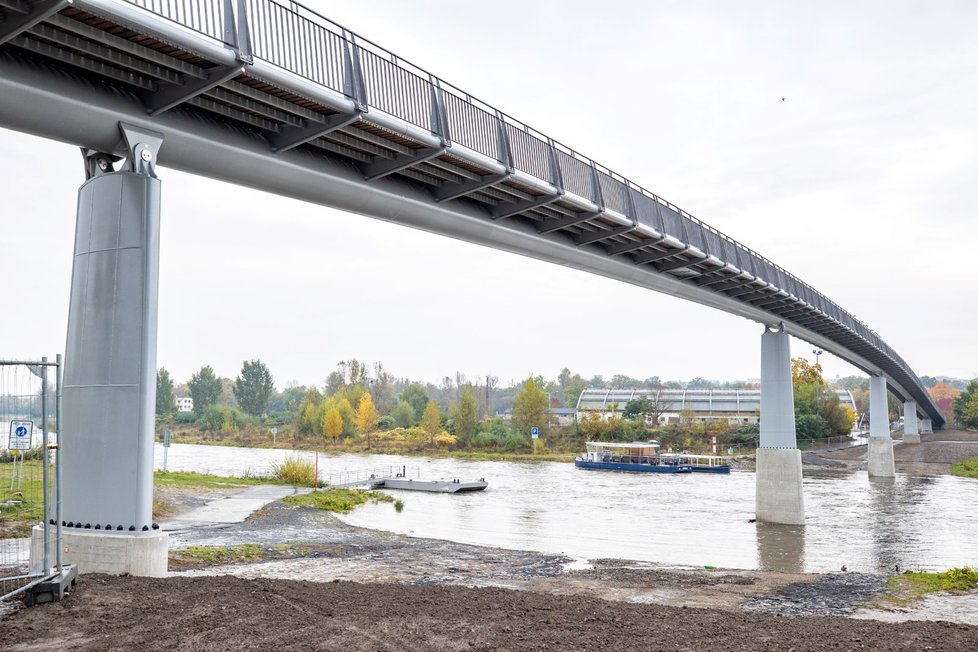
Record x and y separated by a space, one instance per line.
310 581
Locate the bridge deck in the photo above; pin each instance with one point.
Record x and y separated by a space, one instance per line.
306 93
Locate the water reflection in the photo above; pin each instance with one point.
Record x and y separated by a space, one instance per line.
780 547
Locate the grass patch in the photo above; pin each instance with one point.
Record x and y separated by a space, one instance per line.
247 553
910 586
966 468
337 500
23 506
186 479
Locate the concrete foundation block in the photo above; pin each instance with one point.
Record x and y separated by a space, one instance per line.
911 439
779 497
879 457
143 554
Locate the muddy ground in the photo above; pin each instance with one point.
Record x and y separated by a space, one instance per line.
369 590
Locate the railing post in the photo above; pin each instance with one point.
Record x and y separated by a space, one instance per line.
353 84
597 196
240 30
439 115
505 155
556 176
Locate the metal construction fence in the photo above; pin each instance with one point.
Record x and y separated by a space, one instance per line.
296 39
30 474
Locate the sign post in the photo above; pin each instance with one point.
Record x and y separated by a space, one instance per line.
274 432
167 435
535 434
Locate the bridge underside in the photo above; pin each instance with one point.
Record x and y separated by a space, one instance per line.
353 130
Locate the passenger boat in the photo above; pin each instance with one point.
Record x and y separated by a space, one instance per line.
640 456
701 463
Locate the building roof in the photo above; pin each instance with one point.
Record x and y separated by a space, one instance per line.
701 401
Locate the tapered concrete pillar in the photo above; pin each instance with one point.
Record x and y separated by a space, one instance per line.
778 497
910 433
880 454
926 425
110 361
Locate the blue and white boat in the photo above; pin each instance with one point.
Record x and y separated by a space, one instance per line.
700 463
641 456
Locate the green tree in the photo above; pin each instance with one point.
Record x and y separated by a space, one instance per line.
416 397
165 403
965 406
205 389
431 420
403 415
530 408
466 416
348 415
254 387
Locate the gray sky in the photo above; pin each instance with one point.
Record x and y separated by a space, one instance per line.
861 182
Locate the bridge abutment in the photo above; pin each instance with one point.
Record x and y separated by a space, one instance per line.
911 434
778 497
110 361
880 449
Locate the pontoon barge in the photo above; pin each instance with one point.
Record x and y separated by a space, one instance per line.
640 456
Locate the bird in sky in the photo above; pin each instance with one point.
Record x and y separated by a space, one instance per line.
782 99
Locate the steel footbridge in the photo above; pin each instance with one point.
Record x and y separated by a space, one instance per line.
276 97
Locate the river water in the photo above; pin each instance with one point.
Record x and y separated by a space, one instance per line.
923 523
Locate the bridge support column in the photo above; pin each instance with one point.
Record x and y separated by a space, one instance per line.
778 497
910 433
880 455
110 366
926 426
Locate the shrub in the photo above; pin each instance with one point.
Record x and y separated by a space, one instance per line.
224 419
184 417
294 470
385 422
445 440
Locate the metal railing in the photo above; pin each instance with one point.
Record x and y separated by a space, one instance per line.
30 496
297 39
364 477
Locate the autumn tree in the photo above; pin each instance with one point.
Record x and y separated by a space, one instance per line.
466 415
431 420
254 387
165 403
332 424
530 408
205 389
366 419
943 396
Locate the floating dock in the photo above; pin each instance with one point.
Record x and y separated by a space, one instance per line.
436 486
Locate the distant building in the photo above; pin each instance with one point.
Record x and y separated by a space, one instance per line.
185 404
736 407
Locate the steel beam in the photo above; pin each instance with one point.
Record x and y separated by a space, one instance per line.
509 209
555 224
598 236
379 168
453 190
166 96
626 247
668 266
21 19
657 255
290 137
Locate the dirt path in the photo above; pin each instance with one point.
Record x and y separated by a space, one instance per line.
228 613
932 456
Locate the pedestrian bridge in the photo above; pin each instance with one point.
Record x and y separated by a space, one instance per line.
278 98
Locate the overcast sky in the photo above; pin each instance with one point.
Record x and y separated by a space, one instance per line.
862 182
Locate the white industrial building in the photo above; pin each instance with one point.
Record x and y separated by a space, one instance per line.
736 407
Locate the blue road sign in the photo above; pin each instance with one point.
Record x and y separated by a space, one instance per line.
534 432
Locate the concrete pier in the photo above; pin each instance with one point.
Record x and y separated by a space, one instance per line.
911 435
778 493
880 454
